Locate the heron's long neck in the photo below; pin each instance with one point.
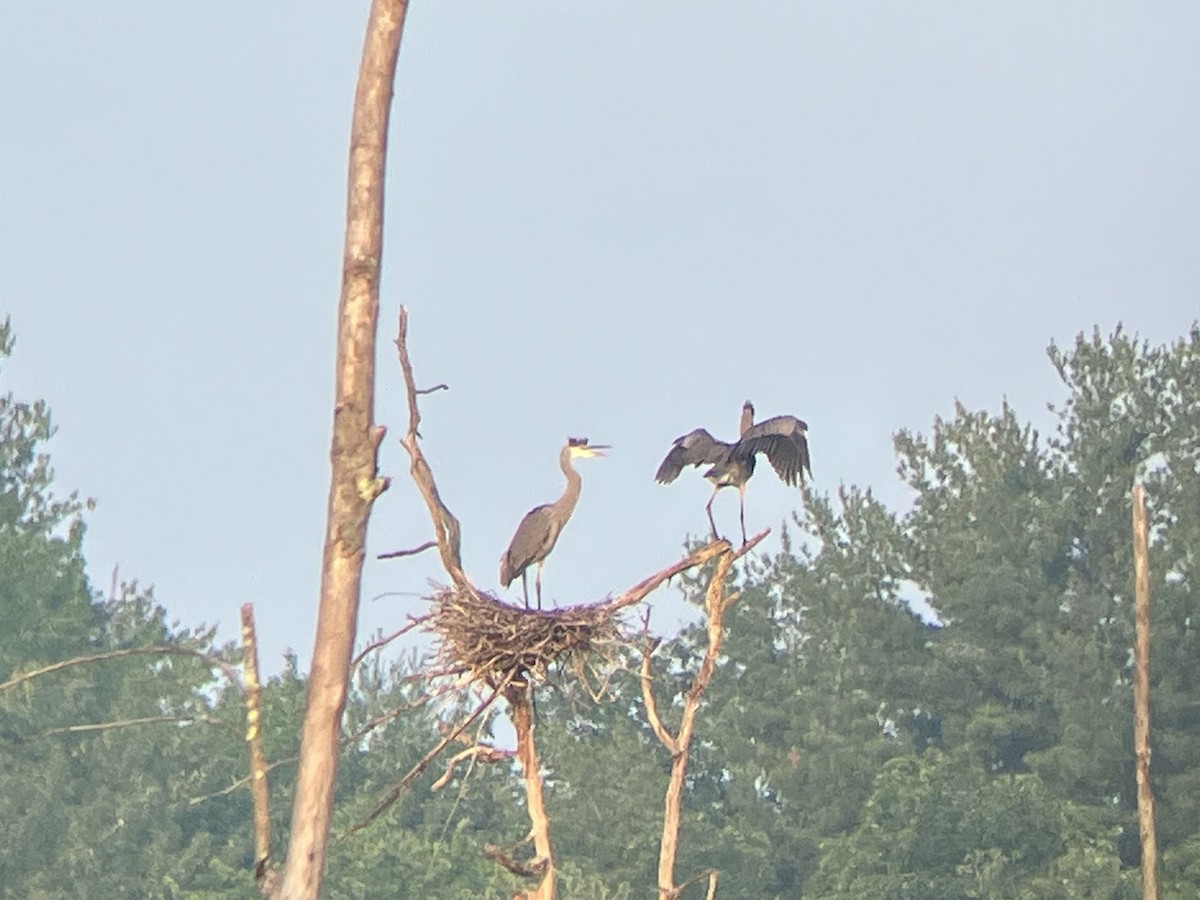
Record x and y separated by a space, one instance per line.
570 496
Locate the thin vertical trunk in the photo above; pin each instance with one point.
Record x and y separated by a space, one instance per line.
716 602
258 762
521 710
354 482
1141 694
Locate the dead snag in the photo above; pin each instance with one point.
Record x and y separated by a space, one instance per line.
258 763
1141 695
445 525
716 602
354 480
520 709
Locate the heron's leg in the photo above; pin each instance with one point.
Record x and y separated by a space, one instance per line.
711 522
742 510
539 583
525 587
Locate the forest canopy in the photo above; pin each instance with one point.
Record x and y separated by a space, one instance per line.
847 747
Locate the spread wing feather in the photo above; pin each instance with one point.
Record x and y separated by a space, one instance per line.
783 440
696 448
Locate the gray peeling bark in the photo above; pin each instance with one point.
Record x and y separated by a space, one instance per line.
354 483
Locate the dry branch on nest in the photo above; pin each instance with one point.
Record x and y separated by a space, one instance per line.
498 642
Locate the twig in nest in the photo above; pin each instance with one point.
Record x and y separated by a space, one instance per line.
496 641
396 554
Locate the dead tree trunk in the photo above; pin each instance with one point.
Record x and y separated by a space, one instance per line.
716 602
354 482
521 710
254 749
1141 695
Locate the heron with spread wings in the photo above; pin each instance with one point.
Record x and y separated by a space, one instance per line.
782 438
539 530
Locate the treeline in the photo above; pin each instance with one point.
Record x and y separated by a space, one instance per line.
847 748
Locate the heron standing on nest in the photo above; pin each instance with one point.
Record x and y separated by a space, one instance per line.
783 438
539 530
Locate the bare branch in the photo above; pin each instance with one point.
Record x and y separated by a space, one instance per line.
413 622
709 874
398 789
651 704
348 741
241 782
445 525
158 650
125 723
430 390
396 554
698 558
479 753
532 869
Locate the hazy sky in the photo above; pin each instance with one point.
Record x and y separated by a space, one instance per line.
616 220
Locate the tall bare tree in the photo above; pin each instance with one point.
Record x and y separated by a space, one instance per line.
354 481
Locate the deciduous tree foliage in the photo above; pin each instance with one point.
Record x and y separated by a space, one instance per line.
848 747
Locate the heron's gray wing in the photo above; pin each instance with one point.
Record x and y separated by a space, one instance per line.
696 448
533 539
784 441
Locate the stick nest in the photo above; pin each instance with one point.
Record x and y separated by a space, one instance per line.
498 642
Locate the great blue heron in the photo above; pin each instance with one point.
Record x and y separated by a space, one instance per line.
539 530
782 438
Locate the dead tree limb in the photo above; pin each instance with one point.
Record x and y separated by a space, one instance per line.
1141 695
215 662
716 602
254 749
520 709
502 859
127 723
397 790
396 554
354 479
478 753
446 527
350 740
413 622
709 551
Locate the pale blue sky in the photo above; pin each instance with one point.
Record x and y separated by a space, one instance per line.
616 220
